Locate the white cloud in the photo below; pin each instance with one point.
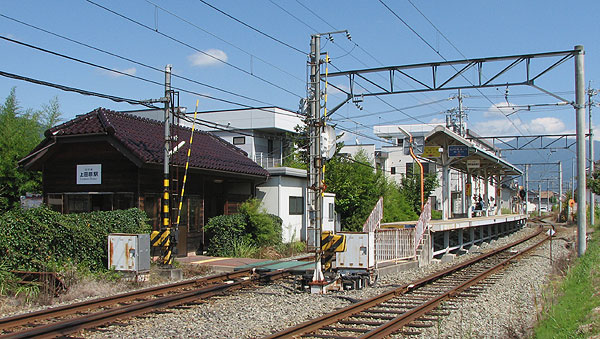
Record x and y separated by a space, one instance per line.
500 109
546 125
209 57
130 71
543 125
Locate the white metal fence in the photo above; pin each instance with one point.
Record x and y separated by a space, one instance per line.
374 220
393 244
422 224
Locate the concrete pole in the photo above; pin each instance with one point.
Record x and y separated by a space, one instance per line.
470 195
539 199
315 173
486 190
573 178
166 175
591 150
460 114
498 196
560 187
580 125
526 190
445 184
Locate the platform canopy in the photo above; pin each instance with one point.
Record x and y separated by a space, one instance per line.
459 153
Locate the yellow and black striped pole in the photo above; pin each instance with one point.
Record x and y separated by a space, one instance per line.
187 163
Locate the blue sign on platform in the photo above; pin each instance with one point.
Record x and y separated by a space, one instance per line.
458 151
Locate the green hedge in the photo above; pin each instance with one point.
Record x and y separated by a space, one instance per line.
40 239
230 235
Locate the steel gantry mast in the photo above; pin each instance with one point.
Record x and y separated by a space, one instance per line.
315 173
447 75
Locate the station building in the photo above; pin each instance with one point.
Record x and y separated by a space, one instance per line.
107 160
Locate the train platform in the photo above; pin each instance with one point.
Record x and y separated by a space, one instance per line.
457 223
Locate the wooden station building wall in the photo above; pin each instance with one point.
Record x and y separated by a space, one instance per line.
124 185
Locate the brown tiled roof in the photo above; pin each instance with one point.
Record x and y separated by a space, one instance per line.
144 138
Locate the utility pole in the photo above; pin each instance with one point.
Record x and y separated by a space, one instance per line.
315 160
539 199
573 178
591 93
171 250
580 125
463 196
560 187
526 190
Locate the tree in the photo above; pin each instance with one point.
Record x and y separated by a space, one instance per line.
410 187
593 182
357 188
20 131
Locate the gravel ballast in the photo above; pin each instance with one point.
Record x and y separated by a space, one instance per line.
504 309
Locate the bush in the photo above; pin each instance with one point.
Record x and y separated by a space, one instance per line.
241 234
38 239
223 231
264 228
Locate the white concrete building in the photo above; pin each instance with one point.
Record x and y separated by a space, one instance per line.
260 132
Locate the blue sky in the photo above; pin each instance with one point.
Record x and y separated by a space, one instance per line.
265 72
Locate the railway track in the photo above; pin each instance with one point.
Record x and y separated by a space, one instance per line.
416 305
67 319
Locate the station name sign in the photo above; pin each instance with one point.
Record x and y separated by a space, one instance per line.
458 151
89 174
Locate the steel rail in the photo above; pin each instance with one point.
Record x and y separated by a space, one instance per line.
65 327
415 313
54 312
333 317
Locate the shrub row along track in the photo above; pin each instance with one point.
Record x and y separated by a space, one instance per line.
62 320
405 309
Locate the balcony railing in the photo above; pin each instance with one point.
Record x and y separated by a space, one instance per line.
265 160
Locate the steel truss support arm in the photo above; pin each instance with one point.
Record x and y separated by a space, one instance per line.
443 75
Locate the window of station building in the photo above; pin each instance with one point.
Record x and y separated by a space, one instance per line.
77 203
296 205
239 140
196 214
123 201
392 170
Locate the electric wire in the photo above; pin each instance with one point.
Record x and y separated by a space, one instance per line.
131 60
253 28
438 53
192 47
462 75
77 90
138 77
361 48
224 41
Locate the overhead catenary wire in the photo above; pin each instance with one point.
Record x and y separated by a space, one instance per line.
194 48
131 60
225 41
108 69
253 28
77 90
440 54
355 44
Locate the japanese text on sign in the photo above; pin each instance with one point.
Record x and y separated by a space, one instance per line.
89 174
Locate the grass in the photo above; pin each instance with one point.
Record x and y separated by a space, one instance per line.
573 310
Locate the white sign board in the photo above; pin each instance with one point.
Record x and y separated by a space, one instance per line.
89 174
472 163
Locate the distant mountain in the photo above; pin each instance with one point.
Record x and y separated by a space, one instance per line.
537 172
